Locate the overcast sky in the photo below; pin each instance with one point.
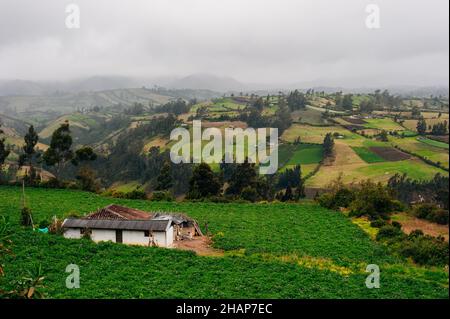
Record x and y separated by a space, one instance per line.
262 41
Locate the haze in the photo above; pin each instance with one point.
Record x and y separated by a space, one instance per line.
324 42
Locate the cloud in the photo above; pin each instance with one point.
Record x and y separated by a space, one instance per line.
276 41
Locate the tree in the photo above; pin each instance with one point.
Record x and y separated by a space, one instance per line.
421 126
347 102
287 194
367 106
164 180
383 136
415 112
439 128
296 100
282 117
31 139
86 176
4 150
258 104
328 145
244 175
84 154
87 179
60 150
203 182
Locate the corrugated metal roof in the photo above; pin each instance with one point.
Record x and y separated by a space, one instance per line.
151 225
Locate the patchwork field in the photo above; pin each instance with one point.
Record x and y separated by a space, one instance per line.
379 172
315 134
412 124
383 124
424 147
321 254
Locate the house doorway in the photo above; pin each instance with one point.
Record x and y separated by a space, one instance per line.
119 236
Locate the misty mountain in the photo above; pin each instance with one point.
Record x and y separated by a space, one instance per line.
208 82
94 83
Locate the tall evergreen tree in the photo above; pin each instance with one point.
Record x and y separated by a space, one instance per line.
203 182
243 176
30 139
60 150
421 126
328 145
4 150
164 180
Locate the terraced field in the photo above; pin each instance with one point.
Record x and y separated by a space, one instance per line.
424 147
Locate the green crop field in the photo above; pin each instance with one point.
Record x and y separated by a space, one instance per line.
367 155
304 154
307 154
270 251
434 143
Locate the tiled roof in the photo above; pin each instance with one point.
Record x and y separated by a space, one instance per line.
116 212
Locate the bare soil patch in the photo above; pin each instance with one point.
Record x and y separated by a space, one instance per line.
354 121
410 223
390 154
201 245
354 127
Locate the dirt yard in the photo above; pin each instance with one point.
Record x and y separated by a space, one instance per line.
410 223
200 245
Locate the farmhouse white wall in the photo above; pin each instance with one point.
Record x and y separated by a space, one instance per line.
73 233
134 237
169 237
103 235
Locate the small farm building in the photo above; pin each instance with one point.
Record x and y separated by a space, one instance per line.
131 226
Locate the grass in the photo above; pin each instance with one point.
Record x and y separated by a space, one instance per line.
378 172
383 124
315 134
367 155
286 251
415 169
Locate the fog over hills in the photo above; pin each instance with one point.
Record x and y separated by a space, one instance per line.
198 81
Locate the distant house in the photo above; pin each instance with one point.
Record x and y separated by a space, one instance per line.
132 226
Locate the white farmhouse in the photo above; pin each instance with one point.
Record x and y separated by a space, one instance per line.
133 232
132 226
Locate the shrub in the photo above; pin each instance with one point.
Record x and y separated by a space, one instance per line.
162 196
249 193
388 232
373 200
378 223
431 212
136 194
396 225
439 216
425 250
